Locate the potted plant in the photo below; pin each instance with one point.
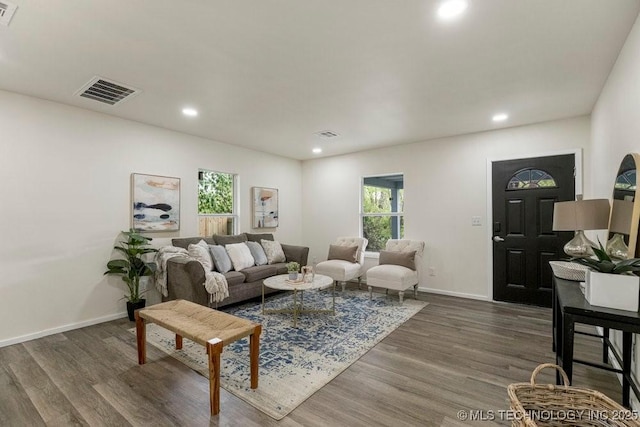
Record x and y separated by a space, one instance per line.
611 284
293 268
132 267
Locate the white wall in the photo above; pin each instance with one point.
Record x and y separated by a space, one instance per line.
445 185
64 196
616 130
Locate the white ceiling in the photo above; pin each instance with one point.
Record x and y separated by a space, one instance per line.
269 74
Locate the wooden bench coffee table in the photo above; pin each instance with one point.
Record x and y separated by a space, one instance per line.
210 328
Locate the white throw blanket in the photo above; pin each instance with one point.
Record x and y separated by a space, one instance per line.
215 283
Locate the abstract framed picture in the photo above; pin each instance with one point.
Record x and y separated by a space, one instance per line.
265 207
155 202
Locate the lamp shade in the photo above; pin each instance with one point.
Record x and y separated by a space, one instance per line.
592 214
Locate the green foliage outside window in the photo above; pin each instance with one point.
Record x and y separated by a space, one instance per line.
378 228
215 193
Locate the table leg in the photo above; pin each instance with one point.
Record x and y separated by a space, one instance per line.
627 342
214 349
554 315
141 339
295 307
568 329
333 298
263 298
178 342
254 354
605 347
301 300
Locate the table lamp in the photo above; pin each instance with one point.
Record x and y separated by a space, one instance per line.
580 215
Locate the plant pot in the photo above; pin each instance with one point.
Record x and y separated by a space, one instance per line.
619 291
293 276
133 306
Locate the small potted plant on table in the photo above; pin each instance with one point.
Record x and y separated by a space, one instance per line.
293 268
132 267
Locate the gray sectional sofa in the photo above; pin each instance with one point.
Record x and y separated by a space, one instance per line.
185 278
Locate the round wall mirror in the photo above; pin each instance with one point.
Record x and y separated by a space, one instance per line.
625 211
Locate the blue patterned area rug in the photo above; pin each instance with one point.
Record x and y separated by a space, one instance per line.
296 362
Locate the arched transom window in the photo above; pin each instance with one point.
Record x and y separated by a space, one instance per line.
528 179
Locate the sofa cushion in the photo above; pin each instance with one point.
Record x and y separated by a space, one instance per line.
184 242
240 256
225 240
281 267
259 237
259 272
404 259
257 252
344 253
273 250
234 277
200 252
221 259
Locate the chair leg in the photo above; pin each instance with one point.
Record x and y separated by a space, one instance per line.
344 286
370 292
401 296
415 291
359 282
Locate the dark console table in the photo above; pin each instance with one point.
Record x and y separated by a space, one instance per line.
571 307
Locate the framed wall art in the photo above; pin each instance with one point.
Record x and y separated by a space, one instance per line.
155 202
265 207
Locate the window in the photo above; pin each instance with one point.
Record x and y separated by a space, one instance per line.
527 179
216 203
382 210
626 180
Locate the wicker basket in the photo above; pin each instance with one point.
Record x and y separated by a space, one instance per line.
550 405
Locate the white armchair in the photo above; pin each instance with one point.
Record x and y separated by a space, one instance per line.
397 269
344 262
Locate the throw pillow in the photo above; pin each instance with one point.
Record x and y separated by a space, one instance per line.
240 256
274 251
405 259
220 258
345 253
257 253
200 252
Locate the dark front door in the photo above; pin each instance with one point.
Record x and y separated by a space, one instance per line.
524 192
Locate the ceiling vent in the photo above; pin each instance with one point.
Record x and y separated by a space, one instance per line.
107 91
327 134
6 12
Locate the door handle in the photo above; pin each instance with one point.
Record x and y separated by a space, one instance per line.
498 239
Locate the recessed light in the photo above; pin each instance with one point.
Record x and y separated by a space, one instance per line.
190 112
501 117
317 150
451 8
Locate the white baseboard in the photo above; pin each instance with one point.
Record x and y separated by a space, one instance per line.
455 294
64 328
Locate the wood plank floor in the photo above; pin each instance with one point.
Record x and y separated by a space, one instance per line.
455 354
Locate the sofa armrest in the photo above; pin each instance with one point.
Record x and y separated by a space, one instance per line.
185 280
299 254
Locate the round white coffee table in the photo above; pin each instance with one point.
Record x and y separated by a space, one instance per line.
282 283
